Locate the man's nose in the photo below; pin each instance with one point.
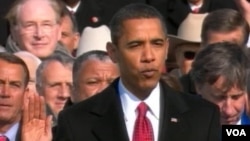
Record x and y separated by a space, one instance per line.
65 91
4 90
148 54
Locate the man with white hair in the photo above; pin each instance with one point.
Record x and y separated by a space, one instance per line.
32 63
35 27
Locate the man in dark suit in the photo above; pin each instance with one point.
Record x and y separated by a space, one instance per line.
138 98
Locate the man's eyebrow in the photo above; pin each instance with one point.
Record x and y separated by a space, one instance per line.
135 42
157 40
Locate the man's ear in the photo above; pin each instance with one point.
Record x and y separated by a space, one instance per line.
167 48
76 40
59 30
112 51
198 88
13 33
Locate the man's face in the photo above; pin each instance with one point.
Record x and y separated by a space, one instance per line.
56 85
69 38
37 30
95 75
12 92
185 55
140 53
235 36
231 102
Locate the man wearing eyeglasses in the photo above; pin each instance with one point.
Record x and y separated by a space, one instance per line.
35 27
186 44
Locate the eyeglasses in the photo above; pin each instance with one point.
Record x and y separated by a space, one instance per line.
189 55
46 27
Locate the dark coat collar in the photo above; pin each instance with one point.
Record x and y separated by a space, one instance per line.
109 109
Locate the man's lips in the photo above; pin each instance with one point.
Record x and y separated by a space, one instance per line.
2 105
149 72
231 120
39 44
60 103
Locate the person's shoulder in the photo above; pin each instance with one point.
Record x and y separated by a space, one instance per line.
196 101
101 99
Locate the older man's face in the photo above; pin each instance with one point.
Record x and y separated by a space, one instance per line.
94 76
56 85
37 29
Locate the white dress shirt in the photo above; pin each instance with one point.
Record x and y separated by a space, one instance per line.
74 9
248 43
130 103
193 7
12 132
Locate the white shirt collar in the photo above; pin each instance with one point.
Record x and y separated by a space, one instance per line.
239 122
130 101
74 9
12 132
192 6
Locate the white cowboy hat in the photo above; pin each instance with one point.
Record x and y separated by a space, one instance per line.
93 39
189 31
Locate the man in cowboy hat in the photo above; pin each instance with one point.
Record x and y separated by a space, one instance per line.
186 44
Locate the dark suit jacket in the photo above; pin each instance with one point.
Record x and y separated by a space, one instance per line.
188 84
100 118
4 25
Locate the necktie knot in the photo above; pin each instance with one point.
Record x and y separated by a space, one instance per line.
3 138
142 109
196 10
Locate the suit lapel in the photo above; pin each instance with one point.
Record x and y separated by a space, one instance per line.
111 117
172 125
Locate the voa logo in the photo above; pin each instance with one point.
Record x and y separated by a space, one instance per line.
236 132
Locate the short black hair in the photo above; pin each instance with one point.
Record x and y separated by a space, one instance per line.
133 11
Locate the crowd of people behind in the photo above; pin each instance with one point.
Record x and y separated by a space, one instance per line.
104 70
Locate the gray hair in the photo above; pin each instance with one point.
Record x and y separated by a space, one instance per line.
94 54
63 59
12 15
221 59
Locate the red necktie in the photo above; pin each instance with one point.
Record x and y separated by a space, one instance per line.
3 138
143 130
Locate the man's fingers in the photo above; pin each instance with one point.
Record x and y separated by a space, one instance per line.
31 106
48 127
42 108
37 104
25 115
